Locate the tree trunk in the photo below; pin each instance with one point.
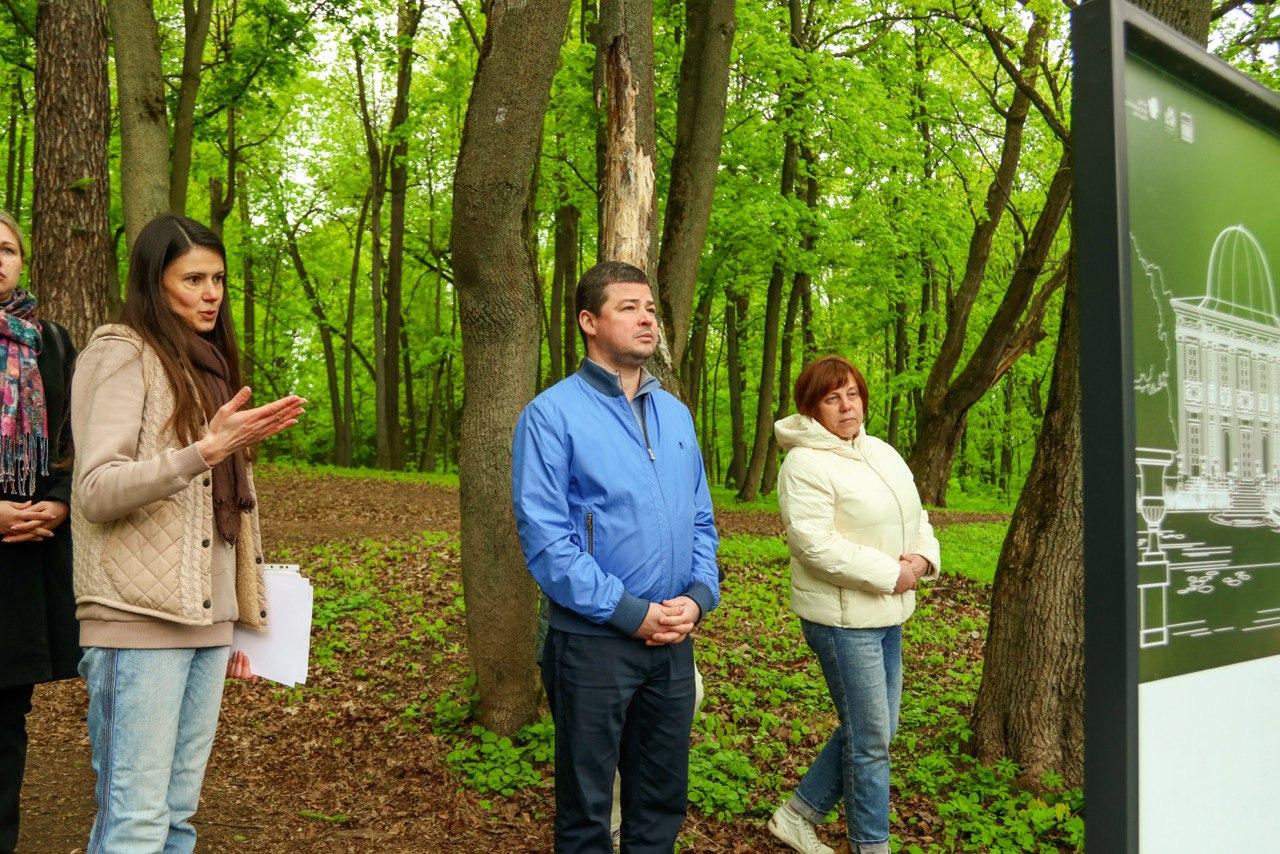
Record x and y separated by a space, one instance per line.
695 161
1030 706
222 196
1006 434
735 313
24 123
144 130
1008 335
345 441
248 343
408 17
410 449
573 248
16 108
695 361
898 367
628 189
769 478
792 100
499 312
196 15
377 191
565 252
326 332
69 210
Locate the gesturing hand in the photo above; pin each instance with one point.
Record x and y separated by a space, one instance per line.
230 430
26 522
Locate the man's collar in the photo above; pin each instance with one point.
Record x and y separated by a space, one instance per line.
608 383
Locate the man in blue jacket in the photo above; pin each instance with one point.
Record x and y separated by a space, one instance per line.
615 521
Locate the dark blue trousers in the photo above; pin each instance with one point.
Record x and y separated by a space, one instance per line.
619 705
15 702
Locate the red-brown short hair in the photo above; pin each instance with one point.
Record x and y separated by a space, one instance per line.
823 376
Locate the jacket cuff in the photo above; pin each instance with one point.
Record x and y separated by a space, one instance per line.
189 463
701 594
629 614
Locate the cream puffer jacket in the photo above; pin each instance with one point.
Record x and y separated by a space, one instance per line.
850 509
155 559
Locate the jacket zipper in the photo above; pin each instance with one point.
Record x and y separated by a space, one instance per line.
902 520
591 534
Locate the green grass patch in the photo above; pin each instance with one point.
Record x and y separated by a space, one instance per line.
724 498
978 501
972 550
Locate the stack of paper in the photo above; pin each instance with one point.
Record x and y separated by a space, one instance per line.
282 652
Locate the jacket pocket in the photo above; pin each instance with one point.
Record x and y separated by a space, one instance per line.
591 534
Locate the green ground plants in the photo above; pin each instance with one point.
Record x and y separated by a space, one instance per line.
767 713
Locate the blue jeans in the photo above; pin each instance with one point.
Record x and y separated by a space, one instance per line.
152 716
863 669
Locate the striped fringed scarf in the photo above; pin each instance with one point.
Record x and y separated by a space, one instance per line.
24 425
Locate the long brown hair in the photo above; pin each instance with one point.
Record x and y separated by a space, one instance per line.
146 311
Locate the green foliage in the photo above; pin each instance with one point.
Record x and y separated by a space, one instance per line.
498 764
972 550
491 763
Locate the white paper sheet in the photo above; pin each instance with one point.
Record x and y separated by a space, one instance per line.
282 652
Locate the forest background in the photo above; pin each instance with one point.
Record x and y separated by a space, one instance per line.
889 181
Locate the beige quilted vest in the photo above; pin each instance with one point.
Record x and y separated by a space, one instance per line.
157 560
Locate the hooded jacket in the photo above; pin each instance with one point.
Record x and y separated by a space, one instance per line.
612 515
850 508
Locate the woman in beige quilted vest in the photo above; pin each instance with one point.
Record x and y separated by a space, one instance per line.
168 553
860 543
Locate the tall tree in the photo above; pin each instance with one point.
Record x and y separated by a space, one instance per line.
1030 706
949 396
792 99
499 314
196 16
377 160
144 129
409 14
69 216
695 160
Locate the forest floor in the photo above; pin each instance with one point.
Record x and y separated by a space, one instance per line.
375 752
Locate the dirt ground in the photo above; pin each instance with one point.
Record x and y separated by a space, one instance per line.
331 772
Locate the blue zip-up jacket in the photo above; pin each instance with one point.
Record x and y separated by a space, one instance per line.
611 516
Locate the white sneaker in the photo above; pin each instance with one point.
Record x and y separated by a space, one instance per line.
795 831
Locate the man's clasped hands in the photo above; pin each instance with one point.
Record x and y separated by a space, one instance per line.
669 622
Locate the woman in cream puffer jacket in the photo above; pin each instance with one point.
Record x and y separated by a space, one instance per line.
860 542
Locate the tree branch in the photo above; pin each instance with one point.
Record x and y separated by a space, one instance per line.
466 19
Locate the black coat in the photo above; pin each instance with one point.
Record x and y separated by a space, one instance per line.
39 635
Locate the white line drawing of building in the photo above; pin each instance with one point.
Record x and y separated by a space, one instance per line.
1228 380
1207 386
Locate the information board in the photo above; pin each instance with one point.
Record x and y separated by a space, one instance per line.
1177 218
